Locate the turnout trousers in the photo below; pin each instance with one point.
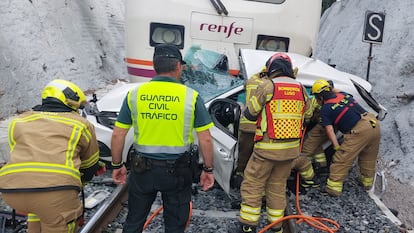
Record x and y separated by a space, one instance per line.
303 165
57 211
265 175
361 142
246 144
312 146
175 188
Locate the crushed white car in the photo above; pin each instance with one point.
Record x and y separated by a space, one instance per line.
220 93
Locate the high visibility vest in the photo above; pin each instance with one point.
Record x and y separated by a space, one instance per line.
282 116
163 117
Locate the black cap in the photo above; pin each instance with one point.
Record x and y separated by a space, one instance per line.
170 51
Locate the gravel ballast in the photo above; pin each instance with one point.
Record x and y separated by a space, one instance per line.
215 211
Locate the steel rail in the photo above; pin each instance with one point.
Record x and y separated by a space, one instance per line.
107 212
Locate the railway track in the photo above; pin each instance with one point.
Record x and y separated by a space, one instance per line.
108 211
214 211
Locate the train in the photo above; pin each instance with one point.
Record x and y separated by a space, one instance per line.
222 27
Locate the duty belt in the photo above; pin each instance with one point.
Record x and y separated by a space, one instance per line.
183 161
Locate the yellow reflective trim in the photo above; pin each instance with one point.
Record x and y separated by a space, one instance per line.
11 140
269 96
244 120
71 226
277 145
122 125
320 157
334 185
255 103
32 217
249 209
249 217
250 87
72 142
275 213
294 116
90 161
79 129
40 167
249 213
366 181
308 174
205 127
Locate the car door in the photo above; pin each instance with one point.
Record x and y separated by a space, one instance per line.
225 114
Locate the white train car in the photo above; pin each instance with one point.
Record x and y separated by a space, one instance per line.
222 26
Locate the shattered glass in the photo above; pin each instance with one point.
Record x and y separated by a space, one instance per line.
207 72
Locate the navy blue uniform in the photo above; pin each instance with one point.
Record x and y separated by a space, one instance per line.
341 110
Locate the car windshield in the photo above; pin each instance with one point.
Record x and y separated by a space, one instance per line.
207 72
210 84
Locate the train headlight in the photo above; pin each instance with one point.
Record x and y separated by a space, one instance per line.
272 43
161 33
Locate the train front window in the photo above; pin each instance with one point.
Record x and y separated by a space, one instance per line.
272 43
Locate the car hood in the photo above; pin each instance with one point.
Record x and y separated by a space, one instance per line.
112 101
310 69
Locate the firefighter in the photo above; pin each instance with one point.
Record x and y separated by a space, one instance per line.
163 113
312 146
53 150
316 136
361 138
279 107
247 128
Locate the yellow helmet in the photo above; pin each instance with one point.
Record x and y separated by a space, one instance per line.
320 86
67 92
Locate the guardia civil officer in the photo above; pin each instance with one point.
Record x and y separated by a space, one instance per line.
163 113
361 136
53 150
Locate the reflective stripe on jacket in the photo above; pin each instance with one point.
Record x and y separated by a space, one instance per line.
250 87
163 123
47 149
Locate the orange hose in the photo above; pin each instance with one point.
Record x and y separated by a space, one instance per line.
315 222
157 211
153 215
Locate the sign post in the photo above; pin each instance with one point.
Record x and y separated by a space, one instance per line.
373 32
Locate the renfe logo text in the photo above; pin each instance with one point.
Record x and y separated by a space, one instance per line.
228 30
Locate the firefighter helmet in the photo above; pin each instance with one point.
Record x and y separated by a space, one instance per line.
66 92
281 64
280 56
320 86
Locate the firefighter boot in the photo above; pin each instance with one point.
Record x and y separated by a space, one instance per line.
313 183
243 228
277 230
331 192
